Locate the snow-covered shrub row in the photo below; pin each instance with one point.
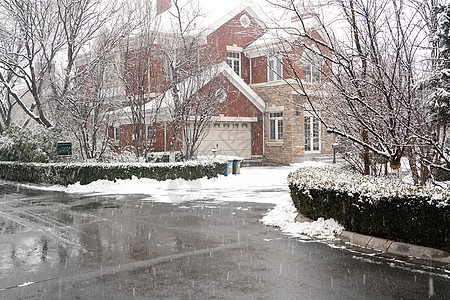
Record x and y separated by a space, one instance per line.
59 173
159 157
28 145
343 178
387 208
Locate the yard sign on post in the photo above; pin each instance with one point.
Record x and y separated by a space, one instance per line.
64 149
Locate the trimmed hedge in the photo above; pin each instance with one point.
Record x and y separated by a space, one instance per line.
405 217
64 174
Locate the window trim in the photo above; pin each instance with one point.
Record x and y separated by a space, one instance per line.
277 118
311 135
273 70
150 137
233 60
116 133
313 63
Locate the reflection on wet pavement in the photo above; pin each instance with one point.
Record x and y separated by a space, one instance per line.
60 246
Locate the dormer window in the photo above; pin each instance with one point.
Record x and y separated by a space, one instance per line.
311 66
234 61
274 69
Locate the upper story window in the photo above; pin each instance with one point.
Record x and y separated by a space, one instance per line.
150 132
234 61
276 126
274 69
116 133
311 66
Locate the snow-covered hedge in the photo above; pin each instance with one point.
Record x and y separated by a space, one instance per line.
59 173
387 208
29 145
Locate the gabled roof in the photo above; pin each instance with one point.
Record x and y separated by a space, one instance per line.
223 69
250 8
240 84
280 37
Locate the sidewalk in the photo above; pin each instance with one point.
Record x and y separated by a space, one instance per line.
391 249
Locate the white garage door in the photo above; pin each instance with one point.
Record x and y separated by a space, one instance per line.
230 138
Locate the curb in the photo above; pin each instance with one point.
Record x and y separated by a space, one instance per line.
391 248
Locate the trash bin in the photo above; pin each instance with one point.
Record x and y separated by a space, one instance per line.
229 169
236 167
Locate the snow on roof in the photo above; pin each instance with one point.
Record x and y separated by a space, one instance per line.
188 87
248 6
238 82
280 36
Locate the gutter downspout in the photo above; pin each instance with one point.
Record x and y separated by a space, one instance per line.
264 132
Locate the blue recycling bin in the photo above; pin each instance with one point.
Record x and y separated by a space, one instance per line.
229 169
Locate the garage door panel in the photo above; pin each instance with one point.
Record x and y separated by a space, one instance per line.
235 141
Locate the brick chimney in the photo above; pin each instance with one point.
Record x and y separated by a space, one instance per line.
162 6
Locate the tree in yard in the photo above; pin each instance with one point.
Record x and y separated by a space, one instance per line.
49 37
369 67
38 41
6 101
433 132
140 73
81 97
196 88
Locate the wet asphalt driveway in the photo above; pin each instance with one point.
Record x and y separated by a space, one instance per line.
60 246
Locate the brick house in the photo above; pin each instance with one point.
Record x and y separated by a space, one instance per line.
265 117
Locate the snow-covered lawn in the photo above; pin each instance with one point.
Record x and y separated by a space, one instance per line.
254 184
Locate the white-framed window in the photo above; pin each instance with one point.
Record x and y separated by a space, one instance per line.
274 69
116 133
150 132
234 61
109 73
276 126
312 134
311 66
167 70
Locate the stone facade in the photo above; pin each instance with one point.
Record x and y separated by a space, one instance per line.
280 97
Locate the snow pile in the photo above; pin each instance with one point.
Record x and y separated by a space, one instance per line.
340 178
283 216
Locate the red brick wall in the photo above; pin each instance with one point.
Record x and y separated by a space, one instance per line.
257 138
139 68
233 33
237 105
259 69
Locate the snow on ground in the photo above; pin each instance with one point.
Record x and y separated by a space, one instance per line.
254 184
283 216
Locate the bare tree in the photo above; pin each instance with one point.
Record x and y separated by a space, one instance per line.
369 66
140 71
39 41
49 33
83 96
196 85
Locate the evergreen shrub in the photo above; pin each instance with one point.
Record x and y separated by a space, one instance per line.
382 207
64 174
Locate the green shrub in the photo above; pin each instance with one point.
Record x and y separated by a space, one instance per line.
363 204
64 174
29 145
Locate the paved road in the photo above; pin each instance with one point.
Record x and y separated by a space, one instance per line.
59 246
